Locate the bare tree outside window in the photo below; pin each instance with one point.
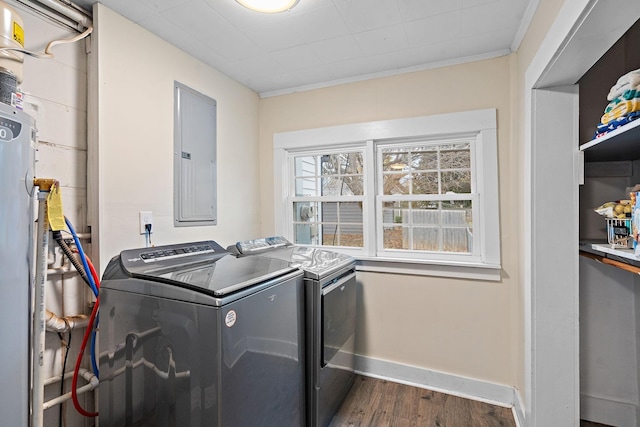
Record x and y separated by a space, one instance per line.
331 177
430 224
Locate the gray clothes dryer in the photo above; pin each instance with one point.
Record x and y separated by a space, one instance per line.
191 336
330 312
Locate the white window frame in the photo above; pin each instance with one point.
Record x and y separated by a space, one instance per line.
484 265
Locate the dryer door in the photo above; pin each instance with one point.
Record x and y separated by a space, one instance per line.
339 322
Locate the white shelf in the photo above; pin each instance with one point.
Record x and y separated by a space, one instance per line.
624 259
622 253
620 144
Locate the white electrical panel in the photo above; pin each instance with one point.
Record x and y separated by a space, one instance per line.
195 161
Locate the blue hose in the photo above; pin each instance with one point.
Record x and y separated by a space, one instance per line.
92 283
94 365
94 288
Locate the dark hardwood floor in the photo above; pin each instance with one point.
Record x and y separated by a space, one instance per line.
379 403
373 402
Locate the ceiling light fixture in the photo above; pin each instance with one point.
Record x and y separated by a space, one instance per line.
268 6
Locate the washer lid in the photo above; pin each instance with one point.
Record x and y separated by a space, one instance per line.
201 266
315 262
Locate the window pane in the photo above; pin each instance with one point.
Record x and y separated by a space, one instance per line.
342 186
395 212
425 214
305 211
350 212
424 159
328 223
341 212
306 234
338 174
342 235
305 166
426 204
459 206
457 227
395 160
396 237
355 184
305 223
426 238
457 182
425 183
306 187
396 183
342 224
456 239
341 163
456 158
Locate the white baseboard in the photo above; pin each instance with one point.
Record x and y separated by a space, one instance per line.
609 412
469 388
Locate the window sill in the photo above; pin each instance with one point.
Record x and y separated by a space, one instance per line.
475 271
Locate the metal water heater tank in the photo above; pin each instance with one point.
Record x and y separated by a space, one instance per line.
17 142
11 36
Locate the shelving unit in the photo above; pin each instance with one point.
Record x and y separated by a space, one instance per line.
620 144
608 276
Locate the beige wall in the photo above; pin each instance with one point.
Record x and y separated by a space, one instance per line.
134 134
462 327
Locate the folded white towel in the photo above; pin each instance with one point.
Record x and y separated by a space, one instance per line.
628 81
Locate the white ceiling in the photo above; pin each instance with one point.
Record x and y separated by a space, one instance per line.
324 42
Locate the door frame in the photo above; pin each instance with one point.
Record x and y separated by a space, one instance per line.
581 33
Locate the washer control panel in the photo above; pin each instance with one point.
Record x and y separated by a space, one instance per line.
177 252
140 260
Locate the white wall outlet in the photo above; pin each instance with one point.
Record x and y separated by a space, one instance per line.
146 217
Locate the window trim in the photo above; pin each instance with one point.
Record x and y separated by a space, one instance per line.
482 123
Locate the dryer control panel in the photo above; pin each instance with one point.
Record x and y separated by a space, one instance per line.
249 247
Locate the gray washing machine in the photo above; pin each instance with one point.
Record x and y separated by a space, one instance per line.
192 336
330 312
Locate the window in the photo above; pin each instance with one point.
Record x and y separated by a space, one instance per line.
328 198
414 195
426 197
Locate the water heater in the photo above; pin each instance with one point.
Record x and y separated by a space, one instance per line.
17 143
11 36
